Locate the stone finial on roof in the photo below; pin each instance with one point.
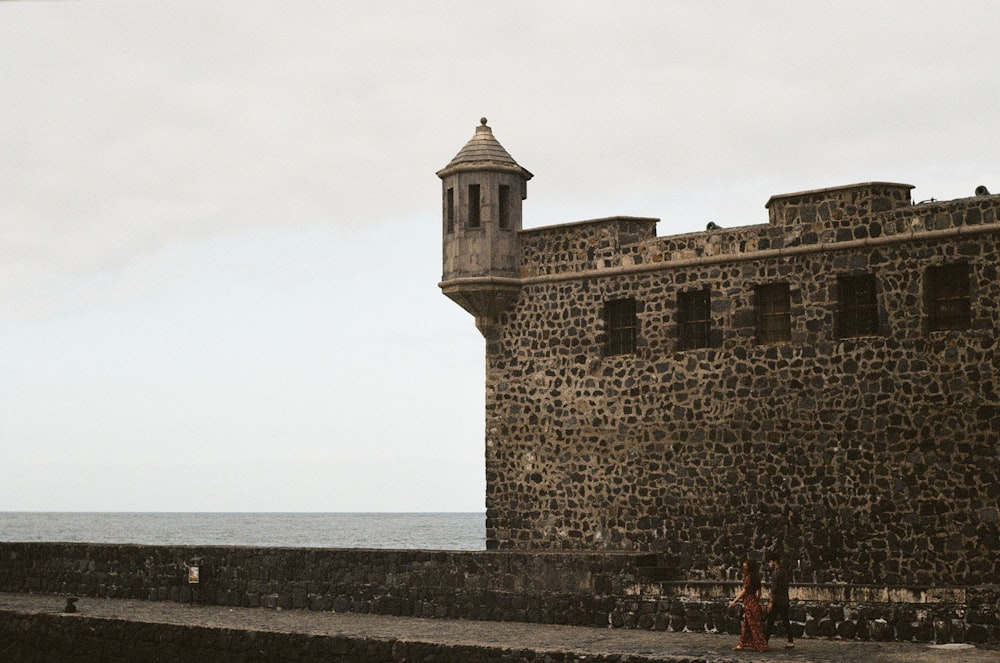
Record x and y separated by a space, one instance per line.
483 151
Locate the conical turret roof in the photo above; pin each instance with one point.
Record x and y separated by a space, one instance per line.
483 151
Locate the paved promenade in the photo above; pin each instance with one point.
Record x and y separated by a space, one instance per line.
654 645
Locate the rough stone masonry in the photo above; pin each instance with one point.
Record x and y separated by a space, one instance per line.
825 385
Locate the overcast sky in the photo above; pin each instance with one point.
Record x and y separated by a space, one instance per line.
220 223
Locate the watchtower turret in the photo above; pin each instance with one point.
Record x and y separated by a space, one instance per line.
482 190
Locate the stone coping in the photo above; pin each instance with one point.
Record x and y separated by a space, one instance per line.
809 592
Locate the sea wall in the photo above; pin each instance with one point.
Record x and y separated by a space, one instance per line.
611 589
40 638
849 612
564 588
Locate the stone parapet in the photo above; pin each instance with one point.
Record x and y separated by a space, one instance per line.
599 247
582 246
837 206
572 588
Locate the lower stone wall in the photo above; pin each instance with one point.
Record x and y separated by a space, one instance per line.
56 639
826 611
616 589
560 588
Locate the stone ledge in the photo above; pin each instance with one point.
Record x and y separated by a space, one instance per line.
807 592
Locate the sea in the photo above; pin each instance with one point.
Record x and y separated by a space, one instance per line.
406 531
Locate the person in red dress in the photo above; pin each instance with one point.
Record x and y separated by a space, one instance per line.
751 631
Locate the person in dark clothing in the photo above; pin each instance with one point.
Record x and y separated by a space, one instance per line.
779 600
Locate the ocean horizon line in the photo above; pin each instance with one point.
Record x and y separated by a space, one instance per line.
234 512
443 530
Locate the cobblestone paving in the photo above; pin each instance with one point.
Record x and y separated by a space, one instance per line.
654 645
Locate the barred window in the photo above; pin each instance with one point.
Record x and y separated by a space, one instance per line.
774 319
694 311
621 324
947 297
858 306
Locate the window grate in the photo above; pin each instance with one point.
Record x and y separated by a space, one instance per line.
948 297
774 320
695 315
622 325
858 305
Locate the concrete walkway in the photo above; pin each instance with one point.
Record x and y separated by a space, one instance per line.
655 645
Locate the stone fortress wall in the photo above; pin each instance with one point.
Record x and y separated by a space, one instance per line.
861 458
823 386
